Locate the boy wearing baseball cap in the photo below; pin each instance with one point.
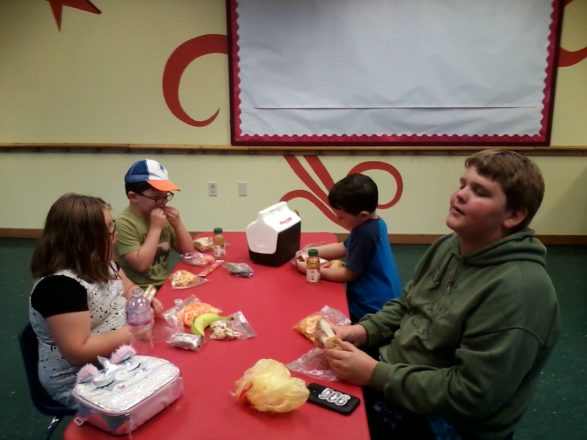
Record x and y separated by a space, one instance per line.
148 228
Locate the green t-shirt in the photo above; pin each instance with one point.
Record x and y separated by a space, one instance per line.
132 232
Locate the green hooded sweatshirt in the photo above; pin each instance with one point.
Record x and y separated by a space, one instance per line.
469 336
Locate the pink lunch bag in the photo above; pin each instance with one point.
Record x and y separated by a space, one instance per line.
123 396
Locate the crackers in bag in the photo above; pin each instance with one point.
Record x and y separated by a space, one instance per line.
308 326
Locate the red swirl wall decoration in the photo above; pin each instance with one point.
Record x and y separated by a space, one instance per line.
179 60
318 196
569 58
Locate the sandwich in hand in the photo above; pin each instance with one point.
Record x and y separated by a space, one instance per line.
327 338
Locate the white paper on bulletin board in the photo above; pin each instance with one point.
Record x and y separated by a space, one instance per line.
392 70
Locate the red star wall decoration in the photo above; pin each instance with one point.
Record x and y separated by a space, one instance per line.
83 5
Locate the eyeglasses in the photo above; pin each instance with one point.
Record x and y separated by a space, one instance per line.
168 197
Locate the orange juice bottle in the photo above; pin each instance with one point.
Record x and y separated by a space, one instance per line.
218 244
313 267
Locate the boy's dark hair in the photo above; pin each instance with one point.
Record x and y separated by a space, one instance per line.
519 178
137 187
353 194
75 237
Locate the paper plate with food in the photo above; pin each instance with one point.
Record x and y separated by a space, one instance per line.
302 256
203 244
184 279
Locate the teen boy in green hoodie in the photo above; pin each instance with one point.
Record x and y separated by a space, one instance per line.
467 340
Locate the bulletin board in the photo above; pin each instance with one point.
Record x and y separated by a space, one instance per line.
392 72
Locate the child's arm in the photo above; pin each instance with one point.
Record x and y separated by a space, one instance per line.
142 258
334 251
127 284
331 251
71 333
184 241
339 274
326 251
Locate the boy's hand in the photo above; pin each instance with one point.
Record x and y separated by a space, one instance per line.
355 334
351 364
157 307
172 215
299 265
299 261
157 218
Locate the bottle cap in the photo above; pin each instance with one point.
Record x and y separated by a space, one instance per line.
218 230
137 291
313 253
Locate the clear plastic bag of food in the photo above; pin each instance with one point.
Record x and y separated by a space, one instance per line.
196 258
310 325
236 327
313 364
172 315
242 270
186 310
187 341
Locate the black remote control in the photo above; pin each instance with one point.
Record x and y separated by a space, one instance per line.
332 399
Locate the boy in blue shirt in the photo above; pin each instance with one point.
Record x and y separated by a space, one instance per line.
369 272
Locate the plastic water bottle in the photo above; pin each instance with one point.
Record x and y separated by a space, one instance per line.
138 309
313 267
218 244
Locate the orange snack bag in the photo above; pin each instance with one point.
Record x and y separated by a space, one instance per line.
189 312
311 327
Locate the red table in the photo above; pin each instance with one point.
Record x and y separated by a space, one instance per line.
273 301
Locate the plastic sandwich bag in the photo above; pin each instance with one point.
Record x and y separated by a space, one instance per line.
309 327
313 364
